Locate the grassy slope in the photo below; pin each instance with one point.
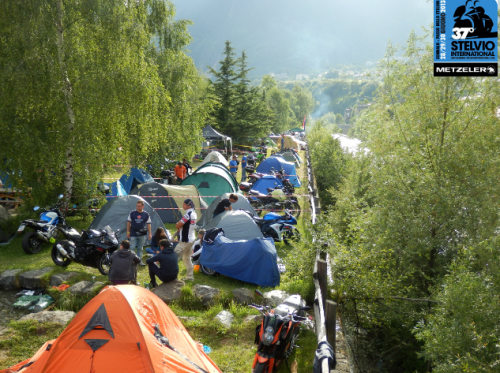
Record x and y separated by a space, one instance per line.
232 349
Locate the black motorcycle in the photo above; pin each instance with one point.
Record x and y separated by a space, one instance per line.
276 199
278 333
91 248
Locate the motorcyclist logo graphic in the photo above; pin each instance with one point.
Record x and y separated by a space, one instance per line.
471 22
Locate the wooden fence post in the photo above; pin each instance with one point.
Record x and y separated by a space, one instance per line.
331 322
323 279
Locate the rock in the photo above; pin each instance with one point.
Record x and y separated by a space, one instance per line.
8 279
206 293
61 317
186 318
243 296
275 297
59 278
4 214
33 279
252 319
225 318
84 287
169 291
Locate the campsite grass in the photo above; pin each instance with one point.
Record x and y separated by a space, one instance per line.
232 349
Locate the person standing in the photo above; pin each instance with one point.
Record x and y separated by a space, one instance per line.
123 265
187 166
233 166
243 165
138 226
283 141
185 226
169 266
180 172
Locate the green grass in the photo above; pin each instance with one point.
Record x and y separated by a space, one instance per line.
232 350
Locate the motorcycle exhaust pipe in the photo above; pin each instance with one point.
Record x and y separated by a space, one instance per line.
41 236
62 251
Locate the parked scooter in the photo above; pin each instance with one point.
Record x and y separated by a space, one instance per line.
278 227
278 333
91 248
45 228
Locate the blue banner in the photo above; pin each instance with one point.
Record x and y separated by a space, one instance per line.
465 38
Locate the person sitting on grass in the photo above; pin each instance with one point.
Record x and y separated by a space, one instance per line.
198 245
225 205
168 268
159 235
123 265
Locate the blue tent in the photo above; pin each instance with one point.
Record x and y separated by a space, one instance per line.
137 176
277 163
116 189
265 182
251 261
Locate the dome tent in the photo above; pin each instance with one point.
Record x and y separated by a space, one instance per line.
266 181
215 157
115 213
212 180
150 192
223 168
241 203
120 330
277 163
137 176
237 225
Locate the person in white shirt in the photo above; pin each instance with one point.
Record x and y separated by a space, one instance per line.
184 248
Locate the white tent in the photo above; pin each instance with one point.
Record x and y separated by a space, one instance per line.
215 157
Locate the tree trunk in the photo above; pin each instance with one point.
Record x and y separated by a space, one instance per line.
68 100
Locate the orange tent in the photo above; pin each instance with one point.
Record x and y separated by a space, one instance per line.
125 328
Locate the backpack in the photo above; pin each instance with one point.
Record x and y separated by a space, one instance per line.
211 234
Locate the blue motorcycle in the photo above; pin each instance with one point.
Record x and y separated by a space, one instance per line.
278 227
45 229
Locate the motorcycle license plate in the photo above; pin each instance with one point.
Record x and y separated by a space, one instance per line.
21 228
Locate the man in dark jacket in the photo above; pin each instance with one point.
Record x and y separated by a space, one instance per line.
168 269
123 265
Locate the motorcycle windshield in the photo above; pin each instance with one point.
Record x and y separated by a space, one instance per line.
108 230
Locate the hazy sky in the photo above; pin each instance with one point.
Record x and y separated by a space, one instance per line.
297 36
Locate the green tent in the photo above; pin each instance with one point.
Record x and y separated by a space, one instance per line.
212 180
296 129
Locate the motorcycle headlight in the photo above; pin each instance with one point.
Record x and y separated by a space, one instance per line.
268 336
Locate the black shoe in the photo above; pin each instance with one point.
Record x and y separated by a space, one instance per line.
154 285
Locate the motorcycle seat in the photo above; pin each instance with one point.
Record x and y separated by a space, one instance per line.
40 221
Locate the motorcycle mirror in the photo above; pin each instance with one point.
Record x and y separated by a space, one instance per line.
36 208
258 293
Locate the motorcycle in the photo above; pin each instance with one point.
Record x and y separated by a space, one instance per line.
45 229
278 333
276 199
91 248
278 227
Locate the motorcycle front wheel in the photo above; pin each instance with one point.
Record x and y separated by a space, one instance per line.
294 207
57 257
261 367
31 243
291 236
103 264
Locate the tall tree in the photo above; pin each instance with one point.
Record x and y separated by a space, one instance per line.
239 110
78 83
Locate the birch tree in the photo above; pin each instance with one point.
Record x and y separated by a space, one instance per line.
80 87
